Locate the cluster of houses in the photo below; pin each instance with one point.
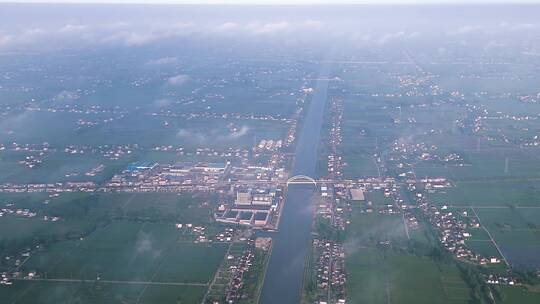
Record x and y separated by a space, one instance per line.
96 170
199 232
335 162
334 204
226 236
237 271
403 154
5 280
432 185
325 207
340 206
394 205
454 231
337 199
410 219
293 128
111 152
212 115
114 152
500 280
330 271
188 176
17 212
13 263
291 133
268 145
252 173
38 151
344 197
118 151
24 213
53 188
32 161
39 148
153 177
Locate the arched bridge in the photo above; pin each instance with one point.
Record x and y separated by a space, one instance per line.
301 179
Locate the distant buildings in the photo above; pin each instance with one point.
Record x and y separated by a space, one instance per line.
211 167
252 207
357 194
140 166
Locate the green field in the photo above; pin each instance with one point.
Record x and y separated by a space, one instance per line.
365 127
126 238
410 271
359 165
378 276
485 248
374 227
81 213
389 273
127 253
519 295
170 207
29 292
508 209
378 199
485 165
489 193
58 166
517 232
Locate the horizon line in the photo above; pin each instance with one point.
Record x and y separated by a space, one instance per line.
279 3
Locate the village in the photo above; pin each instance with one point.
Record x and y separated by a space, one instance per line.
330 272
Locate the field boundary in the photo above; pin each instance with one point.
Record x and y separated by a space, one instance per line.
60 280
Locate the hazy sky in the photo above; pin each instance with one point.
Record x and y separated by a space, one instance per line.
277 1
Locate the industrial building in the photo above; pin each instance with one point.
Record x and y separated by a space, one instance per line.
357 194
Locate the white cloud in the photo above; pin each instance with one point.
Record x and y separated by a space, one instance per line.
466 29
5 40
134 34
227 26
137 39
270 27
216 135
520 26
258 28
144 32
72 28
164 60
237 133
181 25
183 133
312 23
494 29
178 80
66 96
163 102
401 35
190 136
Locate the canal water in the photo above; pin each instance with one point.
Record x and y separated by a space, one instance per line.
283 281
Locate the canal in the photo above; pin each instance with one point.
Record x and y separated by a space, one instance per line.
283 281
